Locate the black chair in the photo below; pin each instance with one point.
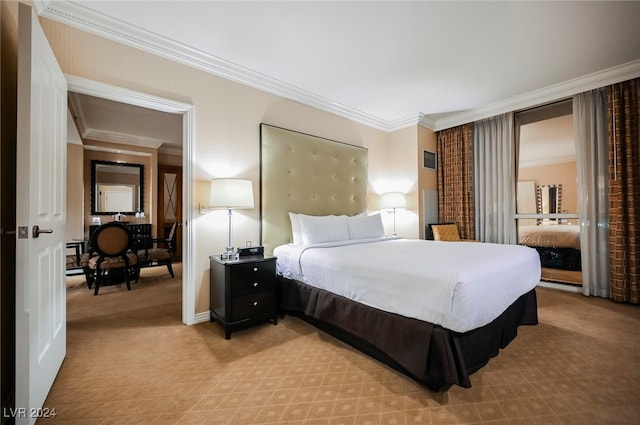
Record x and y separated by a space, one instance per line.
110 256
160 252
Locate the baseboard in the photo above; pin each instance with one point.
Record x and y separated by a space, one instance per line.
205 316
560 286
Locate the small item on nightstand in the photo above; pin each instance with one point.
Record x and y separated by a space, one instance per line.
251 250
229 255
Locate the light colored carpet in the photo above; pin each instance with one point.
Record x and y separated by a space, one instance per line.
130 360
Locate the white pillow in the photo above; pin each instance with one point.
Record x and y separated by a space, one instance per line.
363 227
319 229
295 228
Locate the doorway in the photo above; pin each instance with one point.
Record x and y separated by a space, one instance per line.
117 94
547 191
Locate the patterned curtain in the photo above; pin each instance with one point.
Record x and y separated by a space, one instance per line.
624 205
455 178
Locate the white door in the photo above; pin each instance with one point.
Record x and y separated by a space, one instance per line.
41 201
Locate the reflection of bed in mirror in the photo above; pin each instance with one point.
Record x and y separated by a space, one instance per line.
557 241
557 244
327 180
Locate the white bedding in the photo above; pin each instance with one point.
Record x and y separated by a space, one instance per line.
458 285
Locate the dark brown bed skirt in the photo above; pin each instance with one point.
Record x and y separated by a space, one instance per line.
430 354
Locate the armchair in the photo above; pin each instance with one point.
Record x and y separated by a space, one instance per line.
159 252
447 232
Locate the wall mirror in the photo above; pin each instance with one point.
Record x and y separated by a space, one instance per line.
116 187
549 201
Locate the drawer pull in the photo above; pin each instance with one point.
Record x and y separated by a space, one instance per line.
255 303
255 284
255 269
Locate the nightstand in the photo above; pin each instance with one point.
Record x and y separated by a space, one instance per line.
243 291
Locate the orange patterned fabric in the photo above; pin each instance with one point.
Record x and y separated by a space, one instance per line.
624 198
445 232
455 178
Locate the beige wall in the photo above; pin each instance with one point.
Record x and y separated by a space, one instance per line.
401 175
167 159
427 179
565 173
227 118
75 197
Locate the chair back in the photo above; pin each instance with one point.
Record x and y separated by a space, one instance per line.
172 233
111 240
445 232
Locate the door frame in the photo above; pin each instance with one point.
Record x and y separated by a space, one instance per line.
118 94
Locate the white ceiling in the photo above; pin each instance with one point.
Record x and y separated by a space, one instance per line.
109 121
385 63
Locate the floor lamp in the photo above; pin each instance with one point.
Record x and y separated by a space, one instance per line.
391 201
231 194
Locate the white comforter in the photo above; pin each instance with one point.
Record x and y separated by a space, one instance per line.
458 285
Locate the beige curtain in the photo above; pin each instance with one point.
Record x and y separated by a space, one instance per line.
495 179
592 155
455 178
624 205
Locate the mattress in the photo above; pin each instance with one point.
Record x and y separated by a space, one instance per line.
460 286
551 236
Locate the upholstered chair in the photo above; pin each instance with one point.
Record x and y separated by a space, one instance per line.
160 252
447 232
114 260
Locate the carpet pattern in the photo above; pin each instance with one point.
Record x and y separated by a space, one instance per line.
130 360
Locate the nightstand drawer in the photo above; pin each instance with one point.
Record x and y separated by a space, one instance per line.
249 306
253 277
246 287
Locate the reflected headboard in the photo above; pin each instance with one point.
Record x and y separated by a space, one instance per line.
308 175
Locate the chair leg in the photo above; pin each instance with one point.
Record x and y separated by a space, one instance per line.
97 282
170 268
126 278
88 274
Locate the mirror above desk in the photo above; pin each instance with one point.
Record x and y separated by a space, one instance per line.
116 187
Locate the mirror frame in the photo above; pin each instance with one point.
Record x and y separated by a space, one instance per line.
96 162
554 200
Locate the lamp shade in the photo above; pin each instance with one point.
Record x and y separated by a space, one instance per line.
231 194
392 200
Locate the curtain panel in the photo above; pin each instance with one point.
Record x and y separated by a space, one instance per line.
455 178
592 155
495 179
624 200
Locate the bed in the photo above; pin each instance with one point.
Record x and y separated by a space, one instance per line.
327 180
557 244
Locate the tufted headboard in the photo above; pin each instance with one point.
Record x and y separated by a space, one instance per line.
308 175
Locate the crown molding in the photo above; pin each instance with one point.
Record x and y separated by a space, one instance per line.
541 162
114 150
548 94
122 138
426 121
78 16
